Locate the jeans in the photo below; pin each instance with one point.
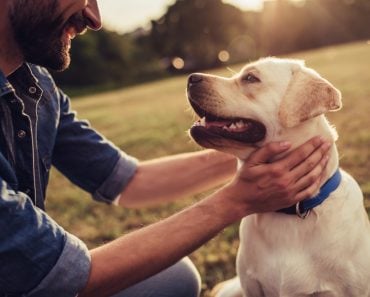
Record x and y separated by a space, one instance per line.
179 280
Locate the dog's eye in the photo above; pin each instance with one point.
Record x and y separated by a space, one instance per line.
250 78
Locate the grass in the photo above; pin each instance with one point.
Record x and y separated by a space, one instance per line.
151 120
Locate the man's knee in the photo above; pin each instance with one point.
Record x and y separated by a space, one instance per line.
188 278
179 280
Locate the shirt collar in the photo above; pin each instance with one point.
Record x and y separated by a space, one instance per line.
24 70
5 86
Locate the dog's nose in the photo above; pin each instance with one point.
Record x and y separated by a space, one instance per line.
194 79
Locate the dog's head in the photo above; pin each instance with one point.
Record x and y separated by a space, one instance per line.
257 105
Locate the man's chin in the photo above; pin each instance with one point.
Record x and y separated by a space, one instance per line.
56 62
63 65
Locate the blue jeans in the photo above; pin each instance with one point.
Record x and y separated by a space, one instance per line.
179 280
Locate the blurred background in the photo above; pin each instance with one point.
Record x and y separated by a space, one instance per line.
129 81
188 35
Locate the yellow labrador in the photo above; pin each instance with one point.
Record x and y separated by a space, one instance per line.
317 248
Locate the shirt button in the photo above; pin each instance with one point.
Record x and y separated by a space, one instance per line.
21 133
32 90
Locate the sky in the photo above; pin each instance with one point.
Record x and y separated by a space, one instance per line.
127 15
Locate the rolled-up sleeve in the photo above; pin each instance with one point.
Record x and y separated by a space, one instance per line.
88 159
70 273
37 256
117 180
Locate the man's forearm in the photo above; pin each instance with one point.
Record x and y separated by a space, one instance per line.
170 178
142 253
260 186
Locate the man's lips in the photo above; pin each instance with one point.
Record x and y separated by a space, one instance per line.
75 25
70 32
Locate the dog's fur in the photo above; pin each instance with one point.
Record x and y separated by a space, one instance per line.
323 255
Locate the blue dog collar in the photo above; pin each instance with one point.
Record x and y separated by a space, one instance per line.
303 208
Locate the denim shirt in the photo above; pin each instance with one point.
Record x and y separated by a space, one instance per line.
38 129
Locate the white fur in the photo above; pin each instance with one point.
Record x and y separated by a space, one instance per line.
324 255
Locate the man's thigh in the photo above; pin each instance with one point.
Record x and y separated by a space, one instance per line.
179 280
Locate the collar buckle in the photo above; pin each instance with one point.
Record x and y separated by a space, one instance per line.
299 213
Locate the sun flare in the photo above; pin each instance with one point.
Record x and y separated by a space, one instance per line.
246 4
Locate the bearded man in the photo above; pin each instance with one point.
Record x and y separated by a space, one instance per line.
39 129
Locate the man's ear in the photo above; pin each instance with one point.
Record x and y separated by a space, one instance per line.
308 95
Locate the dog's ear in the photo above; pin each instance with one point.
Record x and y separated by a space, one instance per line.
308 95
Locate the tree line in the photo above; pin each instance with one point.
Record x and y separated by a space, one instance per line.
200 34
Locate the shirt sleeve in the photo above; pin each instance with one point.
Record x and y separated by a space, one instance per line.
88 159
37 256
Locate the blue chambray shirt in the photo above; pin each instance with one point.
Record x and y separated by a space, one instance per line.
38 129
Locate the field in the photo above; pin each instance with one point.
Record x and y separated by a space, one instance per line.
151 120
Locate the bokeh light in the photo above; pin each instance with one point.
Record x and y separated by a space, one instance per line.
224 56
178 63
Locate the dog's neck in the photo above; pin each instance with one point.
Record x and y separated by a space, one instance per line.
318 126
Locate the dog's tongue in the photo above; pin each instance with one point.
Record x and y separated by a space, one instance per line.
218 123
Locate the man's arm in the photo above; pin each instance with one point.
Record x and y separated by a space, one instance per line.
35 252
170 178
259 187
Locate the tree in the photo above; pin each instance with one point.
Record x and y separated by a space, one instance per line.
106 58
197 31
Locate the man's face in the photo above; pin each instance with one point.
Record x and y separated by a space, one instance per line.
43 29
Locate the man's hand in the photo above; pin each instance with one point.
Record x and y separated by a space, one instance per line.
259 186
263 186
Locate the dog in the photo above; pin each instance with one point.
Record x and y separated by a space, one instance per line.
321 252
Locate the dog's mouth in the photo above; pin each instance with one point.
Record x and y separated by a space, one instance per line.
211 127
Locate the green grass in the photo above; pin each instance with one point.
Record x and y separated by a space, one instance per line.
151 120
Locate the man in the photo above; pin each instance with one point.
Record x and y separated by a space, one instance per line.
37 257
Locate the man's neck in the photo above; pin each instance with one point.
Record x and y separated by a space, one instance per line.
9 59
10 55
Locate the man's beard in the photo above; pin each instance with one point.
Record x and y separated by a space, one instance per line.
39 32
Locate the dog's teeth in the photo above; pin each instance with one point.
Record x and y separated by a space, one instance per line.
232 126
203 121
240 124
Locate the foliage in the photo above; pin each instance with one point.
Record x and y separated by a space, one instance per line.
109 59
151 120
288 26
198 30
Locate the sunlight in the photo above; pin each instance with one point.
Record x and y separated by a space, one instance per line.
246 4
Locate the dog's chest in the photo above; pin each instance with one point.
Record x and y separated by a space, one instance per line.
273 258
283 255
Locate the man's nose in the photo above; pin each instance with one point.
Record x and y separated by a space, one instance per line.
92 15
